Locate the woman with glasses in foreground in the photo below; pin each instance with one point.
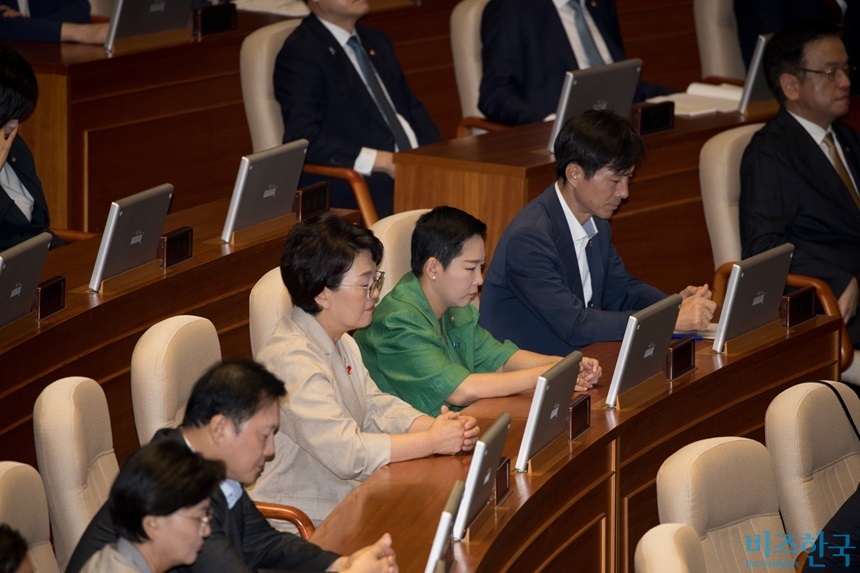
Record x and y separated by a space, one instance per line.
159 505
424 343
337 427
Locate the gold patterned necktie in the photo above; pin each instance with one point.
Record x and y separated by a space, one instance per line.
841 170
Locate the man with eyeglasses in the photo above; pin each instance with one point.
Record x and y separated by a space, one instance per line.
800 173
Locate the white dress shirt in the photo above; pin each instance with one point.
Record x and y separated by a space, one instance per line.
818 134
565 12
15 189
581 235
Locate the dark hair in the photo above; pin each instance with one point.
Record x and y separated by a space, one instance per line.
596 139
18 87
13 549
318 253
159 479
237 388
441 233
785 51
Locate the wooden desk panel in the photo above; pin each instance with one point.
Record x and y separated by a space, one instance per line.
588 511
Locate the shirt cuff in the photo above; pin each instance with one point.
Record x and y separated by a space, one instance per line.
365 160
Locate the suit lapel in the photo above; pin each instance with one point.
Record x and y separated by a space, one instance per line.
555 34
563 241
348 79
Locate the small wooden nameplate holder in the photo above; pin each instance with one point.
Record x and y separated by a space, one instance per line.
755 338
484 522
270 229
150 41
550 455
651 388
133 278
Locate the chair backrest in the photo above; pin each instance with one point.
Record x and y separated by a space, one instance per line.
257 68
269 302
717 36
395 232
669 548
74 449
720 180
466 46
24 507
167 360
815 452
725 489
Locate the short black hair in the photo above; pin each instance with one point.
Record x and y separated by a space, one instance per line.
18 88
13 549
237 388
784 52
159 479
318 253
596 139
440 233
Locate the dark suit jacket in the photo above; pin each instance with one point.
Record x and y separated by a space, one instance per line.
324 100
242 540
533 296
526 53
46 19
838 553
791 193
756 17
14 227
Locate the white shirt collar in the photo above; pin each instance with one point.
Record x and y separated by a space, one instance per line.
231 489
578 231
341 35
813 129
564 3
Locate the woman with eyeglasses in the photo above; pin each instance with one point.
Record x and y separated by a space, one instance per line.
424 343
159 505
337 427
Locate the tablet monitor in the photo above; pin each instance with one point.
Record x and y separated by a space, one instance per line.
612 87
443 540
644 347
755 84
131 18
131 233
20 269
265 186
548 413
754 293
481 478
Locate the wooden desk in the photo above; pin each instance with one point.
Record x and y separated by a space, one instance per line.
95 335
659 231
588 511
105 128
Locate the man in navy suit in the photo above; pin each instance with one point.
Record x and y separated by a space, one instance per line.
800 173
528 46
327 98
556 283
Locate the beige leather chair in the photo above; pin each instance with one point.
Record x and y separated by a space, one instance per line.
717 35
719 177
466 46
725 489
265 121
670 548
167 361
24 507
269 301
815 453
395 232
74 449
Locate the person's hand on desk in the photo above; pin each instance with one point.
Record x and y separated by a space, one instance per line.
384 162
590 372
8 12
697 309
848 300
84 33
453 433
376 558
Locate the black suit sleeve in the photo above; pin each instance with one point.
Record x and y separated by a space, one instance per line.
504 67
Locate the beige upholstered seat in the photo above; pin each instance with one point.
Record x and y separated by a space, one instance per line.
24 507
815 453
74 449
725 489
466 47
717 36
719 177
265 121
167 360
269 301
670 548
395 232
